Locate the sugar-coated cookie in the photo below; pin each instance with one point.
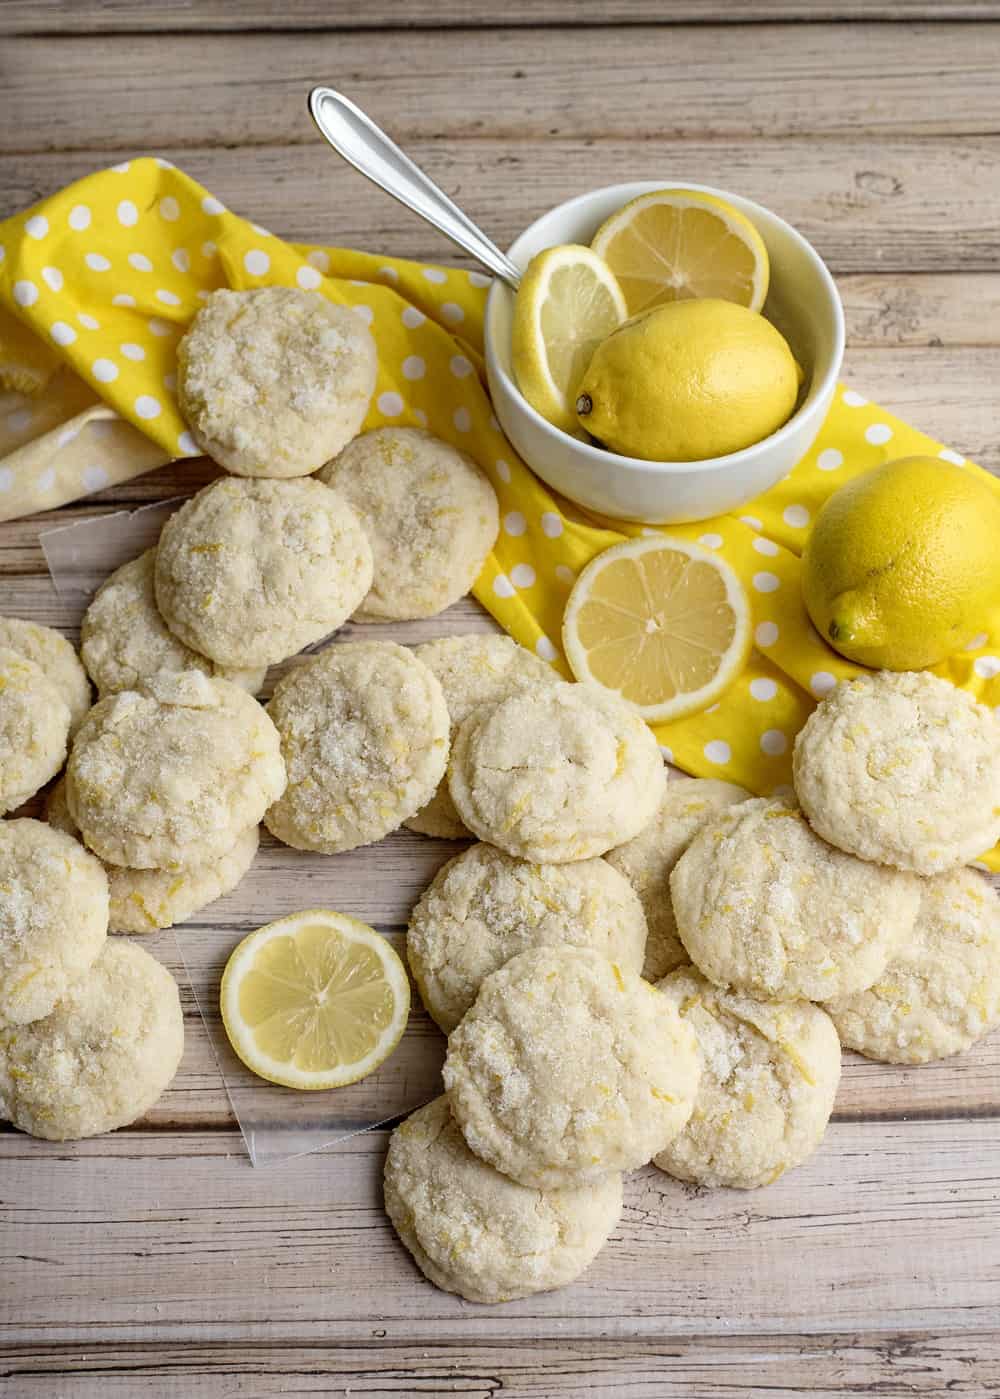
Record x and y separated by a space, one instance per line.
647 860
102 1057
124 641
763 905
53 917
364 734
171 775
429 511
940 992
556 774
54 655
142 901
902 768
249 572
274 381
485 906
476 1232
34 728
474 670
569 1066
770 1076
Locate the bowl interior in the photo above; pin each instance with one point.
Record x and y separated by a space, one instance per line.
802 299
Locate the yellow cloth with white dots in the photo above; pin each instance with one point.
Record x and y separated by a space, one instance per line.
98 282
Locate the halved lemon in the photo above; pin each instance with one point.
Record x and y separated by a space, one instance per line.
567 303
660 622
675 244
315 1000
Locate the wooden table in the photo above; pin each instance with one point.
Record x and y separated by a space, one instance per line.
155 1261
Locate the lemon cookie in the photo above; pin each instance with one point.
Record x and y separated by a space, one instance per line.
124 640
364 734
569 1066
429 511
473 670
170 775
770 1075
941 991
647 860
249 572
556 774
54 655
34 727
104 1055
53 917
274 381
484 907
476 1232
766 907
902 768
142 901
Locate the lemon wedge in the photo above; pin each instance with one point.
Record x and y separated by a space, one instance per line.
675 244
660 622
567 303
315 1000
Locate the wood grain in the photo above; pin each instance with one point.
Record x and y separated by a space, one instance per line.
893 205
947 391
168 1237
176 16
379 884
155 1261
921 310
647 83
839 1366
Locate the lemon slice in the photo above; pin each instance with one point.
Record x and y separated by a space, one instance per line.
675 244
663 623
315 1000
567 303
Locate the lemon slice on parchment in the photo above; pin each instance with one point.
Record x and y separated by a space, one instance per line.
314 1000
567 303
674 244
659 621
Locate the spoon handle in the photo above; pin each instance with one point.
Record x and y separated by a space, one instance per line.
365 146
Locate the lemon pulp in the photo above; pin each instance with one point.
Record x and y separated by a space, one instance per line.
676 244
315 1000
568 302
659 621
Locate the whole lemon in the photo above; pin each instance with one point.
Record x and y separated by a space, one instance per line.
687 381
903 564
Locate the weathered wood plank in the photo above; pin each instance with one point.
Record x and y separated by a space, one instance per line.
155 1237
947 391
893 1366
642 83
886 205
923 310
173 16
889 1226
380 884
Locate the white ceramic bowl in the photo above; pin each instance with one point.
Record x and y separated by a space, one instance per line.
803 303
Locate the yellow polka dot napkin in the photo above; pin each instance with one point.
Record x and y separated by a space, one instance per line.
98 282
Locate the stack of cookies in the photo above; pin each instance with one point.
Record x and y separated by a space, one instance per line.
773 932
74 1060
627 971
157 815
271 559
170 774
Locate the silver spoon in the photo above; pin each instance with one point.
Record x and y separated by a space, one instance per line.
365 146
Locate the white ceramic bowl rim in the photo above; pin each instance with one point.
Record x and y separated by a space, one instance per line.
601 455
